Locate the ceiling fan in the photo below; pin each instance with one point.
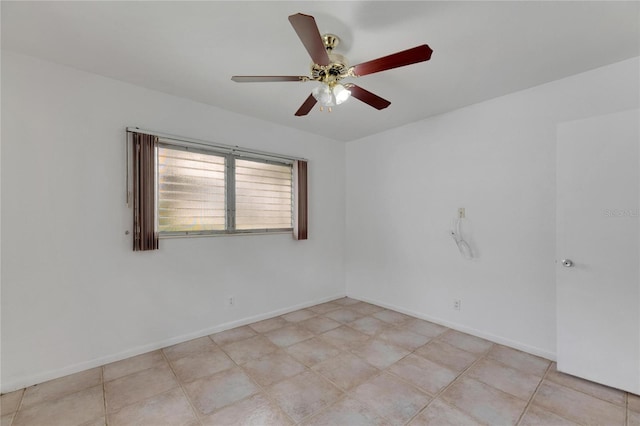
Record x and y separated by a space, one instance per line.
330 68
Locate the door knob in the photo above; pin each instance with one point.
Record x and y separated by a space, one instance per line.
567 263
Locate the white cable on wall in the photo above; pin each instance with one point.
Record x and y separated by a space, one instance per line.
456 234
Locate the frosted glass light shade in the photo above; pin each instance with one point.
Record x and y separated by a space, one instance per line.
340 93
323 95
327 96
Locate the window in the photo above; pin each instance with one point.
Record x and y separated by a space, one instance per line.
191 191
178 186
263 195
202 191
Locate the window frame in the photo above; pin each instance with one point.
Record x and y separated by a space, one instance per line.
230 155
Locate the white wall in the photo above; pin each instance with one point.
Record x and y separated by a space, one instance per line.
74 294
496 159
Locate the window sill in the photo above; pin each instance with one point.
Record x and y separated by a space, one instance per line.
224 234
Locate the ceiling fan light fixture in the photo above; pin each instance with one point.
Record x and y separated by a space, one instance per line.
330 95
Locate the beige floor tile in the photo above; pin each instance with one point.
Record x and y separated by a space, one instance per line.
466 342
346 370
201 364
9 402
536 416
269 324
134 364
364 308
425 374
346 301
6 419
55 389
507 379
254 411
288 336
484 402
346 412
70 410
447 355
577 406
249 349
324 307
319 325
233 335
404 338
612 395
300 315
441 414
391 398
313 351
100 421
170 408
379 353
273 368
519 360
343 315
633 418
634 402
303 395
391 317
188 348
425 328
214 392
138 386
344 337
369 325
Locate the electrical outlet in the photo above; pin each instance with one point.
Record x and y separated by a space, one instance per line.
461 213
456 304
231 301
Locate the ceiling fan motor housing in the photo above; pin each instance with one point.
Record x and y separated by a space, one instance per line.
337 69
332 73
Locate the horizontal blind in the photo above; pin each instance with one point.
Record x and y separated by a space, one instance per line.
191 191
263 195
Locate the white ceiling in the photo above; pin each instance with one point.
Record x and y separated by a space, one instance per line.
191 49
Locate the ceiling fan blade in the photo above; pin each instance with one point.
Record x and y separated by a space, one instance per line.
400 59
307 30
306 107
367 97
267 78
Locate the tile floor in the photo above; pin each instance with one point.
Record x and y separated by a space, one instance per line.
340 363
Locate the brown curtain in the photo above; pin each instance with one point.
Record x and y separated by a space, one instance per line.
301 211
145 234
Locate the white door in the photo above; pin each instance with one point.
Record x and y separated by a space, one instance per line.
598 288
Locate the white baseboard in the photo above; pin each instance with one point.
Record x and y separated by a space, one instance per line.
44 376
478 333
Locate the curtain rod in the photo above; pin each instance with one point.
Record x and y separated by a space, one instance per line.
232 148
